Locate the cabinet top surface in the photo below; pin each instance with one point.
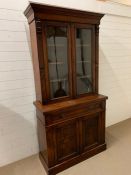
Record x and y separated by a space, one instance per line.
74 102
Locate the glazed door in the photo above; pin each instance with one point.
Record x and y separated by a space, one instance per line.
70 60
58 59
84 37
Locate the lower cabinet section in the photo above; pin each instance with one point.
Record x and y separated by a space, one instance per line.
71 139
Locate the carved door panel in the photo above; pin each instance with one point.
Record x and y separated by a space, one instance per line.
67 139
91 129
63 141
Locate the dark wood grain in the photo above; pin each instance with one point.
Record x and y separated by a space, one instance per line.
70 103
70 128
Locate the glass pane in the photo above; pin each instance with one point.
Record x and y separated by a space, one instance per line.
57 60
83 61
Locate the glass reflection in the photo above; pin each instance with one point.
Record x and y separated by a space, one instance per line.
57 59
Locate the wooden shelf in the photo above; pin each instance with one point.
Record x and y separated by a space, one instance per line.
84 76
57 80
84 62
54 63
84 45
58 45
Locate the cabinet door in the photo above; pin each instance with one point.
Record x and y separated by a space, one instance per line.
91 131
85 56
58 60
63 141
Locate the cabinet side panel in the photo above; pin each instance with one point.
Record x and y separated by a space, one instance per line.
35 60
102 123
42 140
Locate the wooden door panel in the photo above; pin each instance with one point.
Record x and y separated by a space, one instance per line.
90 131
66 140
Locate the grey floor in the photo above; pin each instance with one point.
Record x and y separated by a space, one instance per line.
116 160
